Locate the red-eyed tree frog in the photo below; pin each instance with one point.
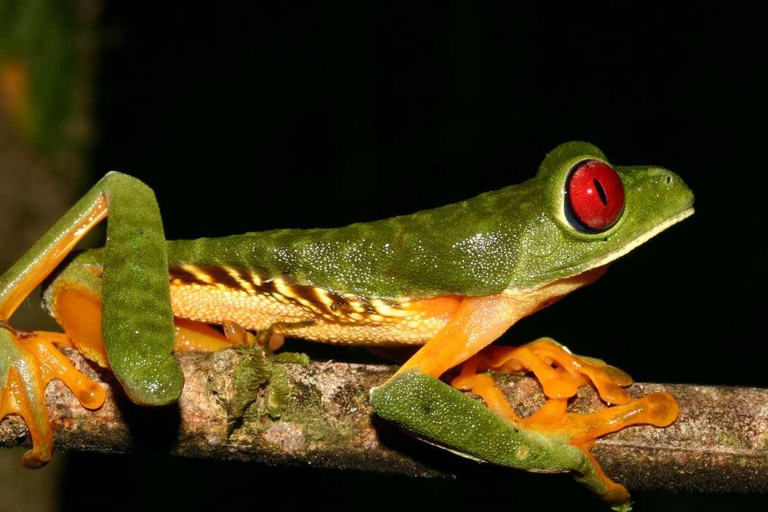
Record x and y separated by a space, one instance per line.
452 279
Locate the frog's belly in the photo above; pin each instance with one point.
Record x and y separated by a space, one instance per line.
313 313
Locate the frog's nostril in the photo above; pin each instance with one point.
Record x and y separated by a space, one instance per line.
669 179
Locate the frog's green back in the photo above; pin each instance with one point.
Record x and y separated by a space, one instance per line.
466 248
515 237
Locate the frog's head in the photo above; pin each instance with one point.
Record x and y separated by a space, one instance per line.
594 213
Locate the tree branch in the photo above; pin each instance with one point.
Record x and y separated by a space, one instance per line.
719 442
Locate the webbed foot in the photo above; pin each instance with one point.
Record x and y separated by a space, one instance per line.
551 439
561 373
28 362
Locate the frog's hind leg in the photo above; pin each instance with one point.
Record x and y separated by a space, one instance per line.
28 362
137 309
191 336
74 299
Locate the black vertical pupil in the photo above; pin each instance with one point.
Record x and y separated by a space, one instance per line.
600 191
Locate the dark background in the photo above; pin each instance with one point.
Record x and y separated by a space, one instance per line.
307 116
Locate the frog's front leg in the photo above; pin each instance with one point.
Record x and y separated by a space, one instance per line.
561 373
137 324
551 440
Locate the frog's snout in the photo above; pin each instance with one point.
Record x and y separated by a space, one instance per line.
664 177
669 178
673 186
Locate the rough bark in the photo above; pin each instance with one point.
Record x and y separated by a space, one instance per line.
719 443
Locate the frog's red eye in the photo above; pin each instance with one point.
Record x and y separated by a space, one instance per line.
594 196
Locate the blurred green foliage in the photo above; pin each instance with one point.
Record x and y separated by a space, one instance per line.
38 68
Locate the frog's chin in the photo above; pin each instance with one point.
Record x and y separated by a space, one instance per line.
658 228
597 267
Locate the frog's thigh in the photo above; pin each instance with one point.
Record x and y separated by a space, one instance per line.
75 301
77 309
191 336
29 361
477 322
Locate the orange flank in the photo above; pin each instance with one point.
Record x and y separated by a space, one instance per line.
454 330
306 312
196 305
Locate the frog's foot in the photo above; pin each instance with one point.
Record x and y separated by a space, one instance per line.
191 336
582 430
29 362
551 440
266 338
560 372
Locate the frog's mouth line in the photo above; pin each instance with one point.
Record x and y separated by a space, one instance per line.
618 253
